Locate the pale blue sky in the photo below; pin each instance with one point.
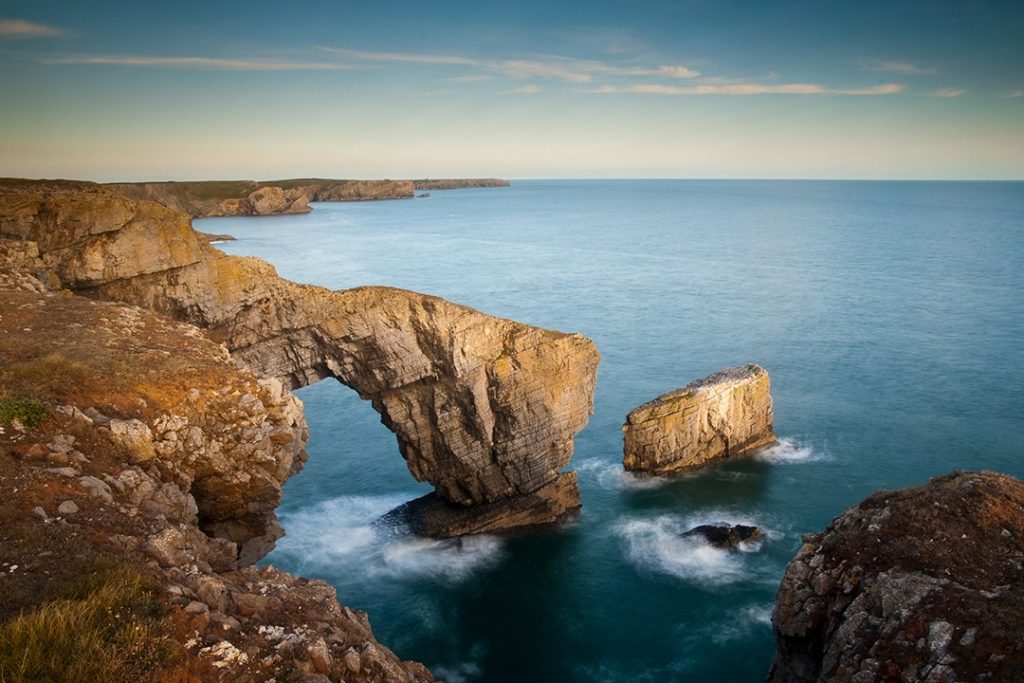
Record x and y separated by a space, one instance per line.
641 88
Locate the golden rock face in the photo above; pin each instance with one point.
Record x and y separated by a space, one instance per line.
728 414
484 408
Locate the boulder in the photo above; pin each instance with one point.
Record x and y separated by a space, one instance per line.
725 415
724 535
921 584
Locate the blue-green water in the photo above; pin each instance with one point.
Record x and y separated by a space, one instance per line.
889 314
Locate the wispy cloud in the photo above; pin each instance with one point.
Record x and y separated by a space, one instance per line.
1015 93
948 92
894 67
746 89
525 90
471 78
201 63
11 29
548 67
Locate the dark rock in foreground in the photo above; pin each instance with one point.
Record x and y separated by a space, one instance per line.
921 584
723 535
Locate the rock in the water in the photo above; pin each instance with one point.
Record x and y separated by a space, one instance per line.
725 415
433 516
724 535
485 409
921 584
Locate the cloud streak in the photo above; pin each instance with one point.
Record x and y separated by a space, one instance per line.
746 89
549 67
894 67
13 29
948 92
199 63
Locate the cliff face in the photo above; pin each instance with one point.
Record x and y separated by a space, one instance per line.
922 584
727 414
160 455
458 183
251 198
485 409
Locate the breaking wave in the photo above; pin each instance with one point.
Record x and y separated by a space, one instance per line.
658 545
343 532
788 451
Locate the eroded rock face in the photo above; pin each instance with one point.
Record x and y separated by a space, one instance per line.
921 584
485 409
728 414
154 436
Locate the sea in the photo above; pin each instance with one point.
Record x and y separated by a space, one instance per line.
890 316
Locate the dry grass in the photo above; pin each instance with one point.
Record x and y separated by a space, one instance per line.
109 627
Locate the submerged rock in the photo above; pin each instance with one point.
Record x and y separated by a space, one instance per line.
921 584
725 535
728 414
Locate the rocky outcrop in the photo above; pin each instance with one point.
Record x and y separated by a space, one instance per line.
251 198
725 415
922 584
485 409
458 183
159 455
725 536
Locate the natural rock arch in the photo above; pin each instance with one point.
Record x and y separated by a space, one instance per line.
484 408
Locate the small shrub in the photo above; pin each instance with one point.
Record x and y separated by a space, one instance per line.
108 628
29 412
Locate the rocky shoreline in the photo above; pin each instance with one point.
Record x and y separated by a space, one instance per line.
148 426
202 199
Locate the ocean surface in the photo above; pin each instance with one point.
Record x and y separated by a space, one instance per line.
890 316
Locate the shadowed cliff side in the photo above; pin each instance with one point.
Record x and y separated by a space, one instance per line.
485 409
921 584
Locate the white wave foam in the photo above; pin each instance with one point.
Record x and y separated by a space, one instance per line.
611 476
452 559
659 545
743 622
343 533
788 451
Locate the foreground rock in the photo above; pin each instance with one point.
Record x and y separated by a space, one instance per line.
922 584
725 415
485 409
148 450
726 536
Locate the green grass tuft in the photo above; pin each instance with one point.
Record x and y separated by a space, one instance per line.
28 412
109 628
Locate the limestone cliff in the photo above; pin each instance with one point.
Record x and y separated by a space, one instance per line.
922 584
485 409
725 415
251 198
140 447
458 183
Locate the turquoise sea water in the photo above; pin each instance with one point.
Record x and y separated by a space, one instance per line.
889 314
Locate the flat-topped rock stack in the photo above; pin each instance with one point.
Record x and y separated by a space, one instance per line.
725 415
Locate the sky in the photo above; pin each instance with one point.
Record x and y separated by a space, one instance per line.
517 89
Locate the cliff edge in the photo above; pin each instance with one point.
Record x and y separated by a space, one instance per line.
921 584
139 473
485 409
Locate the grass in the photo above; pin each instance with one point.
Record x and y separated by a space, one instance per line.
108 627
29 412
45 377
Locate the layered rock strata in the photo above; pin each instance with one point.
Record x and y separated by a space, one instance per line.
921 584
157 454
725 415
485 409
